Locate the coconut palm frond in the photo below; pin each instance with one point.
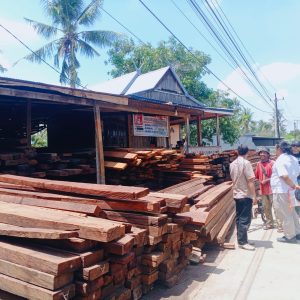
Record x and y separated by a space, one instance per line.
2 69
43 53
100 38
87 50
90 13
63 77
47 31
63 11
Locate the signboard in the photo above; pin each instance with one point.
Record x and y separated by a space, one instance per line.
157 126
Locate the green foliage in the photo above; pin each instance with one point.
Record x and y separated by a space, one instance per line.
40 139
126 57
293 135
68 37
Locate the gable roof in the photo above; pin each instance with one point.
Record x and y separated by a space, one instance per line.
118 85
135 82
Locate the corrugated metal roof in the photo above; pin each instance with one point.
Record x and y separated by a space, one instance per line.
147 81
117 86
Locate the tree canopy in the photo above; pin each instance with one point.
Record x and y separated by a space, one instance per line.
68 37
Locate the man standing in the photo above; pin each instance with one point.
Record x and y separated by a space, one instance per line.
243 192
283 184
263 174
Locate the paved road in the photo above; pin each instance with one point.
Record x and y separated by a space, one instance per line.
271 272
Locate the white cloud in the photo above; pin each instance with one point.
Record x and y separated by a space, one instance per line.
280 72
19 28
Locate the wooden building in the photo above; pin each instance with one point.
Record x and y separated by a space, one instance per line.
133 110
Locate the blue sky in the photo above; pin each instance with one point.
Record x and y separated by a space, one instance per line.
268 28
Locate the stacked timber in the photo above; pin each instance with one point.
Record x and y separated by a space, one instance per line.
142 165
215 165
212 216
125 238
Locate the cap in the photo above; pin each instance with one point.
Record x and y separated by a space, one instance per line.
264 149
295 144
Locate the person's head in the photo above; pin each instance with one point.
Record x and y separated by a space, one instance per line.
264 154
242 150
283 147
295 147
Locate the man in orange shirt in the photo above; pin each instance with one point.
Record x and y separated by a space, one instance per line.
263 174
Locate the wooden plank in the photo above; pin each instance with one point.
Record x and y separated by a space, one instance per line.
31 291
118 166
121 246
93 272
42 259
210 197
89 209
120 155
172 200
134 218
88 227
220 238
107 191
35 233
42 279
138 205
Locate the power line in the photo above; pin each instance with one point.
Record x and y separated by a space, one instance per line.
222 42
234 31
205 67
126 28
203 36
32 51
232 39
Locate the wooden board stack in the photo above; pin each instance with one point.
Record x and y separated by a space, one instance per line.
121 239
212 216
215 165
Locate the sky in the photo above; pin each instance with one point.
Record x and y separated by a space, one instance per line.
269 30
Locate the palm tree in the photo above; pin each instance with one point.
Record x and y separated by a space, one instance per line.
246 119
69 17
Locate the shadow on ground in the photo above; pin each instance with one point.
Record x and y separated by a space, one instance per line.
191 277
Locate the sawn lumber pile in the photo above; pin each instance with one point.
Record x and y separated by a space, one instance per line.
63 240
215 165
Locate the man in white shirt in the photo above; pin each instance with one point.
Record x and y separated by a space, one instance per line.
284 183
243 177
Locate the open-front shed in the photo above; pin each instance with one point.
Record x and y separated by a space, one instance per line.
132 111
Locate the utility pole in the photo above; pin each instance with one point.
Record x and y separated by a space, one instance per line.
277 125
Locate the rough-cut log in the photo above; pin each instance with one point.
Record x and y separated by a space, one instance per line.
35 233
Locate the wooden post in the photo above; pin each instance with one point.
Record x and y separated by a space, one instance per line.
99 146
199 131
187 138
218 131
130 130
28 124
